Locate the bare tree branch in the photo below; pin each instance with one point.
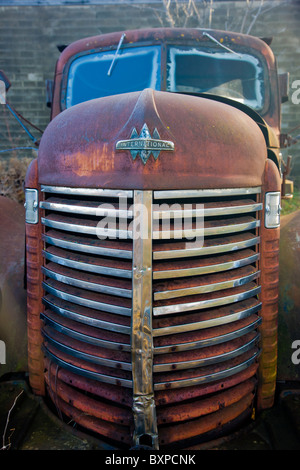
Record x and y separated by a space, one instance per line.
7 421
249 6
174 13
254 17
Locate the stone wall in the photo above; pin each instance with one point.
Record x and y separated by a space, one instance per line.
29 36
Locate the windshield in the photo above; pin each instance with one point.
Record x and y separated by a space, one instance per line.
91 76
236 76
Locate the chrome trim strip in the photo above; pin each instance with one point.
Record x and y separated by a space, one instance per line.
213 268
83 337
100 232
97 250
87 285
208 231
208 212
173 348
207 360
117 328
183 328
173 254
87 373
144 410
190 306
198 193
87 357
85 210
170 294
87 191
86 302
87 267
207 378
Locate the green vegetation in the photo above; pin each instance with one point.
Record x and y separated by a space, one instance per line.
291 205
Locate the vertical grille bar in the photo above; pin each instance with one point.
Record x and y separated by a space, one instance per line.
141 334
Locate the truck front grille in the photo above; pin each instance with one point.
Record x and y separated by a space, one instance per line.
198 337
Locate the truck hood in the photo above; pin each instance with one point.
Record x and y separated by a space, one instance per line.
188 142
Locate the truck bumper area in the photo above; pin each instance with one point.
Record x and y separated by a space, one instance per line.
33 426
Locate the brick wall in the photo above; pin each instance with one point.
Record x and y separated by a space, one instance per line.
28 53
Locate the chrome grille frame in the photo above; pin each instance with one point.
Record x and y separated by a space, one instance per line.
145 308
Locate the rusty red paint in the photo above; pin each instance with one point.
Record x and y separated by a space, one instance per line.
117 432
269 266
214 421
105 411
106 391
93 161
184 412
34 293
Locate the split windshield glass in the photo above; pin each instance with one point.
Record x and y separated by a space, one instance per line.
133 69
238 76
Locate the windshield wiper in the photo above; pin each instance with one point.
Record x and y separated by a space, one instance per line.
115 56
220 44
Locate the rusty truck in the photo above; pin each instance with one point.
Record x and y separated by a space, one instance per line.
144 331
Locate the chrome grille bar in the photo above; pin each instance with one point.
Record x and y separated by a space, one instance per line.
206 231
87 357
216 248
117 193
84 337
206 212
91 230
86 266
76 299
97 211
172 273
207 360
88 373
212 322
214 286
202 379
86 248
88 320
144 409
106 289
208 342
207 193
189 306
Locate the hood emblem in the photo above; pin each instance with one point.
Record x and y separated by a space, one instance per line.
144 144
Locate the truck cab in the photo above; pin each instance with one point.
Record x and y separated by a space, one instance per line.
144 333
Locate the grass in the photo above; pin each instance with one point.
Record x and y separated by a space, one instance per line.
291 205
